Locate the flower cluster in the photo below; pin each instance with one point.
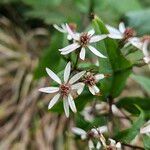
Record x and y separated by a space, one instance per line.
74 84
80 43
127 35
97 133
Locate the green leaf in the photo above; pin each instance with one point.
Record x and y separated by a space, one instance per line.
124 5
119 81
143 81
146 142
128 103
51 57
139 20
128 135
48 18
116 63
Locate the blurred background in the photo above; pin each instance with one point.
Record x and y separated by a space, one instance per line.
29 43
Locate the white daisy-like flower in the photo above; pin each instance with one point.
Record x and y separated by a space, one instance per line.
114 145
62 28
89 112
83 41
90 135
90 80
142 44
121 33
65 89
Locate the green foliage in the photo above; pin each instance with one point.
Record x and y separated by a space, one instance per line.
139 20
124 5
51 57
128 103
129 134
143 81
146 142
120 67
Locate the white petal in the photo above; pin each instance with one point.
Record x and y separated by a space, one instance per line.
96 52
147 59
115 36
82 53
97 38
118 145
72 104
73 35
92 90
145 48
49 89
112 30
102 129
122 27
83 136
69 37
64 27
145 129
112 142
59 29
94 131
79 91
90 144
53 101
66 107
98 146
79 87
53 75
70 47
96 89
99 77
76 77
91 32
135 42
78 131
67 52
67 72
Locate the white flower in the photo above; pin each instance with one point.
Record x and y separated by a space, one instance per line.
121 33
143 45
90 80
146 128
90 135
62 28
114 145
96 109
65 89
83 41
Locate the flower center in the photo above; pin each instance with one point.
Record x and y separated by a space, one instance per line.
90 134
90 80
65 89
84 39
129 32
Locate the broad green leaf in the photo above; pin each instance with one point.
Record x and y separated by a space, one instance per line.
42 4
51 56
83 5
119 67
49 18
143 81
128 103
146 142
129 134
119 81
122 6
139 20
